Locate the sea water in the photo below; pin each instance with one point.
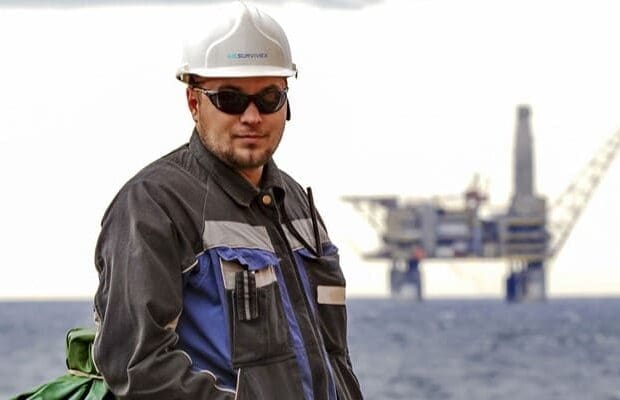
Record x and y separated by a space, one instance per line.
437 349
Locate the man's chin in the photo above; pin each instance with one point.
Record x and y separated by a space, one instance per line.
249 161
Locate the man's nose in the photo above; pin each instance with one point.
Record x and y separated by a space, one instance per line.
251 115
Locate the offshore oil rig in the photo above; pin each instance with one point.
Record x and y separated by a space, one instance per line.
529 233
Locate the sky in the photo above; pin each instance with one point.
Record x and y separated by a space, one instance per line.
410 98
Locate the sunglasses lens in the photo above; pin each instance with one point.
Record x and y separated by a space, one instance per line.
230 101
270 100
267 101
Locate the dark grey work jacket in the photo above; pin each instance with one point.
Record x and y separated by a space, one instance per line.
213 289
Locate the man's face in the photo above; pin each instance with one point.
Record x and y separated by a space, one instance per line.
244 141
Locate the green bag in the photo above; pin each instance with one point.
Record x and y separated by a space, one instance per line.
82 381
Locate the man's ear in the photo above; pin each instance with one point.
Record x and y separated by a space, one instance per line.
192 102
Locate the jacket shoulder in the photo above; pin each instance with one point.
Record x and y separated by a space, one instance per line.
176 173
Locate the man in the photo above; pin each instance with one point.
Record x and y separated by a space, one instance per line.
217 277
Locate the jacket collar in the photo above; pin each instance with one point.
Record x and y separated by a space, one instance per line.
235 185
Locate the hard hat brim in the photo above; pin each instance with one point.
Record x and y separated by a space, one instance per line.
242 71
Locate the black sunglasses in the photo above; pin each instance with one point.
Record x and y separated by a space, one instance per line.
229 101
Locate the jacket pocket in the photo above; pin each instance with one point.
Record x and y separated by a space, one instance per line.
276 381
258 326
327 286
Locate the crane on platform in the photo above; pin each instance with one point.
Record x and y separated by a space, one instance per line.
528 233
567 208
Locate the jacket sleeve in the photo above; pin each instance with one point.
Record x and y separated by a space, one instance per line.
139 257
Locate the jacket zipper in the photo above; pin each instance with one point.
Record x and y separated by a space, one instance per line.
314 328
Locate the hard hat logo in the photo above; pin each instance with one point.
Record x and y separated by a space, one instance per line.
247 55
244 43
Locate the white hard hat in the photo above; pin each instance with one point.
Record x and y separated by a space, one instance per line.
244 43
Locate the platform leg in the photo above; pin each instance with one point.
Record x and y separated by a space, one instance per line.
406 279
526 282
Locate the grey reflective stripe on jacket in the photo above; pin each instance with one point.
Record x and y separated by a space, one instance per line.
211 289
